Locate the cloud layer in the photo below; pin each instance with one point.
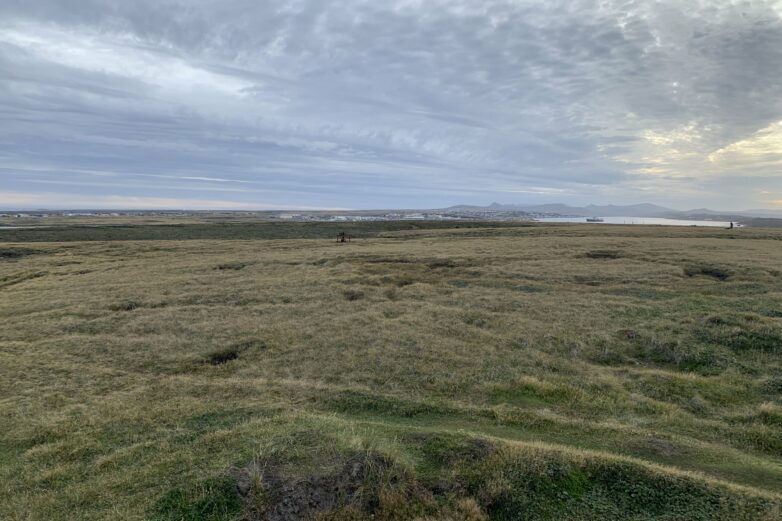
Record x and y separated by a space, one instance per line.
363 104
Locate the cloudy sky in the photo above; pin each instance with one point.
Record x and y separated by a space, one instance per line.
252 104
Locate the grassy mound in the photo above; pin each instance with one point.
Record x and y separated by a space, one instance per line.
442 476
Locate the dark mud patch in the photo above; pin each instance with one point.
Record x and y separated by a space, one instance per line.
222 356
131 304
353 294
232 352
232 266
707 270
126 305
603 254
588 280
526 288
390 260
442 263
270 496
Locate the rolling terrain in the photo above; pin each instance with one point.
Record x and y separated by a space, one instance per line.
427 371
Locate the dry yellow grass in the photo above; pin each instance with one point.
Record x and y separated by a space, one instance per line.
131 369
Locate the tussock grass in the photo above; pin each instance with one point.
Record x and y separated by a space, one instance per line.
465 373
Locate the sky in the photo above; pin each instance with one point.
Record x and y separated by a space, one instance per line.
357 104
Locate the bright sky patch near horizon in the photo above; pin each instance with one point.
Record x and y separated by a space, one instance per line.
241 104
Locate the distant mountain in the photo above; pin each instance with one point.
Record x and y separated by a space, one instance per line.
762 213
557 208
702 212
634 210
611 210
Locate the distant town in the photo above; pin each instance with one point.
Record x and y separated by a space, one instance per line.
493 212
308 216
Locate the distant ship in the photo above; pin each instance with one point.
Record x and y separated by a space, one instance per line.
594 220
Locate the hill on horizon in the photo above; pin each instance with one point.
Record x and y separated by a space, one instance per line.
611 210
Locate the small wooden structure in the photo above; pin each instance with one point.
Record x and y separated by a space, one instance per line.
343 237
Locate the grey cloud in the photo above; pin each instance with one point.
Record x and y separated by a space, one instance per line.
428 101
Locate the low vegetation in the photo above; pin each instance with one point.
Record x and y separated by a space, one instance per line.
420 372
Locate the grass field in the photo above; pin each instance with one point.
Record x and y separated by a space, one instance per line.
423 371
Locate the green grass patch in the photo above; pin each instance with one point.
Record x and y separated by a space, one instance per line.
212 499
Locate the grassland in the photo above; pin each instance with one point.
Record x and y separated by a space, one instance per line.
423 371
